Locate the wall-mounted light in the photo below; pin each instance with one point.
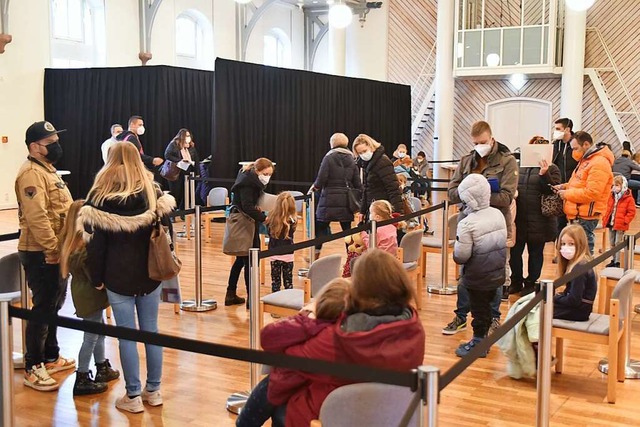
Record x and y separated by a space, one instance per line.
493 60
340 15
579 5
518 81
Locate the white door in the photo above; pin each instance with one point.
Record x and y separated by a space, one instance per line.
515 121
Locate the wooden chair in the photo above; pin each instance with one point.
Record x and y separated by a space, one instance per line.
607 279
366 404
301 209
604 232
218 196
609 330
433 244
289 301
409 256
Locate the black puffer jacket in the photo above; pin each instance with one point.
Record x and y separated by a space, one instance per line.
245 195
337 168
380 182
118 234
531 225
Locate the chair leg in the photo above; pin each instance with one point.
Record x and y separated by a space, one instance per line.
108 312
424 263
207 228
622 350
176 308
418 290
559 355
263 271
613 369
261 315
187 222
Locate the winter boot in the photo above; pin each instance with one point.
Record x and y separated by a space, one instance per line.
232 299
105 373
85 385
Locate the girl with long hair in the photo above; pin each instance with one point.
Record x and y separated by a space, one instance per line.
89 303
121 210
281 224
576 301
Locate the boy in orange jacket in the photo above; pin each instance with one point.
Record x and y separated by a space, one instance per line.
621 210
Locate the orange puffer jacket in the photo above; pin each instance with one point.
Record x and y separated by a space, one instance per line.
625 212
588 189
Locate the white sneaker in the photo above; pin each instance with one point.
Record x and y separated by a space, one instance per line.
153 398
38 379
133 405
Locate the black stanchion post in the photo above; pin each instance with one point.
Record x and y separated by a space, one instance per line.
632 366
6 361
236 401
544 355
444 288
198 304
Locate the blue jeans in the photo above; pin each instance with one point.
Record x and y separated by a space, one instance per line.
91 344
588 225
124 308
463 305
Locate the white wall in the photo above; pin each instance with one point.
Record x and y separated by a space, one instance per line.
287 18
367 45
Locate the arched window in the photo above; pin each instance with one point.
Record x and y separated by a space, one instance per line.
277 49
194 40
77 33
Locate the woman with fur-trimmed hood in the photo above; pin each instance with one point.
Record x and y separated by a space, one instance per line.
118 218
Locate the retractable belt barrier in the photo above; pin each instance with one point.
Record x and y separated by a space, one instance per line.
173 214
335 236
10 236
341 370
444 161
229 180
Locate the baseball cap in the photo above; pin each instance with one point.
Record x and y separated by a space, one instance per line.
40 130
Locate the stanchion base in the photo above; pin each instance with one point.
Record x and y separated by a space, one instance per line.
303 272
207 305
236 402
446 290
18 360
631 372
637 308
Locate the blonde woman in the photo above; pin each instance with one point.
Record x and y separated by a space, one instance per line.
121 209
379 178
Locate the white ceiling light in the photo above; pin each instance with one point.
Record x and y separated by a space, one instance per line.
243 1
518 80
340 15
579 5
493 60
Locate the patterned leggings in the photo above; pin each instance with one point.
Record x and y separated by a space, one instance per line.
281 269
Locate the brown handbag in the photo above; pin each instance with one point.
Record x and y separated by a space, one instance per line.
163 262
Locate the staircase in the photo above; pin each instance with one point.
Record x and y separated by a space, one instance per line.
622 109
423 96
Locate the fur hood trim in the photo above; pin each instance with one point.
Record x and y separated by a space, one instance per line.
92 217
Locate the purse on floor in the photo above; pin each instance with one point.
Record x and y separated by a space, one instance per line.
163 262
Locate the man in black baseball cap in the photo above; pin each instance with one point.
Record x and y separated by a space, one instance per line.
43 201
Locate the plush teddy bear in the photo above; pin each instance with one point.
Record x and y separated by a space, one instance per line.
355 247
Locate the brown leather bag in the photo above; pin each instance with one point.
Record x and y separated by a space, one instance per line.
163 261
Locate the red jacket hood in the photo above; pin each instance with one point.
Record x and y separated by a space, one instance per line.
397 345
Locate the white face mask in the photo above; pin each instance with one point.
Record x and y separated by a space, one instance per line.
187 140
483 149
366 156
401 155
140 130
568 252
557 134
264 179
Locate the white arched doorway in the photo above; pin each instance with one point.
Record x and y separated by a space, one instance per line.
515 120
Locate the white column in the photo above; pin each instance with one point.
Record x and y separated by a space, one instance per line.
575 27
337 50
443 145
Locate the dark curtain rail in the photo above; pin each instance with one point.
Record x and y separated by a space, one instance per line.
337 369
10 236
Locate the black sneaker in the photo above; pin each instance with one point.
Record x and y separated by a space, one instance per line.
457 325
86 385
612 264
105 373
233 299
514 289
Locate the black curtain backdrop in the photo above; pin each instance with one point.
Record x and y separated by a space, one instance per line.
88 101
289 116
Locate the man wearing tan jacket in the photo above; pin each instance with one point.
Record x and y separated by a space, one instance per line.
43 202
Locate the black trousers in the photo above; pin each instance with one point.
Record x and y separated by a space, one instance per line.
480 304
324 229
48 291
536 259
176 189
240 263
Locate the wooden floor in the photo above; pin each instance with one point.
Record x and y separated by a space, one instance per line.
196 387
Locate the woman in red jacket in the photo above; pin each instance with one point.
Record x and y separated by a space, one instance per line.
380 329
621 209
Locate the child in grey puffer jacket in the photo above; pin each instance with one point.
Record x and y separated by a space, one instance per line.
481 249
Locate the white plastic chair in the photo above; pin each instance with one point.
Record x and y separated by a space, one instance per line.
218 196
